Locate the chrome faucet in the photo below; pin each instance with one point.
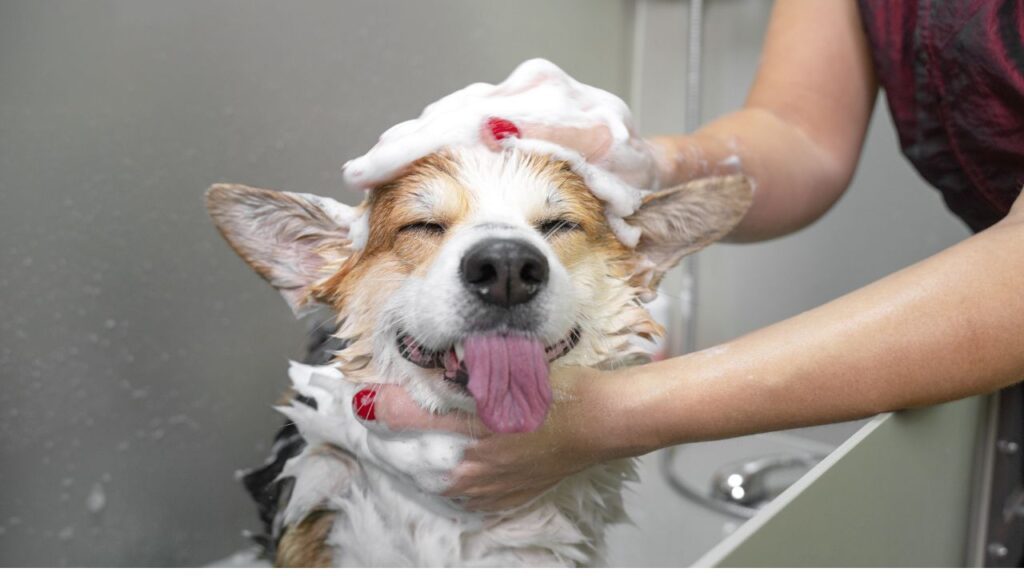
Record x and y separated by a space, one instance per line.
754 483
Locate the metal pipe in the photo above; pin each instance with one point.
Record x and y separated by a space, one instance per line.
695 50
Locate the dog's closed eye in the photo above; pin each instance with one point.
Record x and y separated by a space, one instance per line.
556 226
425 227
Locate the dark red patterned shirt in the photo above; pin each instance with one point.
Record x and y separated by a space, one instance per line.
953 73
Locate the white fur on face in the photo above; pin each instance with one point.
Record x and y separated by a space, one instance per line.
437 310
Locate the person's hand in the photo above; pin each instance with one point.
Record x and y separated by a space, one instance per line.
503 471
650 163
657 163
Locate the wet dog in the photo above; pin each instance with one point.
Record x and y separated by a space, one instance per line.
464 280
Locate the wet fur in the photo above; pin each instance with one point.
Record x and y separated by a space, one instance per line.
364 287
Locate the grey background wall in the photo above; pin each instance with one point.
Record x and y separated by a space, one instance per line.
139 356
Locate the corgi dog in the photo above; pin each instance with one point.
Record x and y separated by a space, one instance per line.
475 272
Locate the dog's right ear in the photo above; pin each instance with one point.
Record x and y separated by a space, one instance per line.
292 240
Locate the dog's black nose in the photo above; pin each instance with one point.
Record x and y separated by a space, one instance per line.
504 272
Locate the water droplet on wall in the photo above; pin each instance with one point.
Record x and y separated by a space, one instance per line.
96 500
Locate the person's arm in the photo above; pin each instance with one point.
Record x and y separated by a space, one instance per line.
946 328
800 133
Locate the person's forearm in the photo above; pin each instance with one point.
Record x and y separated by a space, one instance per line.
946 328
795 180
800 132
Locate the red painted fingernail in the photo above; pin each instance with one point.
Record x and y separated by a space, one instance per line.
362 403
502 128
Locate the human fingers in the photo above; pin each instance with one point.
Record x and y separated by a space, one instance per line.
393 407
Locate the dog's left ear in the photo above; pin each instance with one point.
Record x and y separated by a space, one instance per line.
292 240
679 221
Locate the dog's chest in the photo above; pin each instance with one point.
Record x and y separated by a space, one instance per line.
381 490
382 521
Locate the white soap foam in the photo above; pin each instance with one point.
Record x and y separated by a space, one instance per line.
536 93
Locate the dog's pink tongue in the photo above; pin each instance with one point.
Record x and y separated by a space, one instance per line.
508 378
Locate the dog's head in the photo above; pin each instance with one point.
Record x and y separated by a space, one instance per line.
468 276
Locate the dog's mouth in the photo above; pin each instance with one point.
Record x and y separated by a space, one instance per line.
507 374
452 359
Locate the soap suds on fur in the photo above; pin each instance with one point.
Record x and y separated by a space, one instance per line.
537 92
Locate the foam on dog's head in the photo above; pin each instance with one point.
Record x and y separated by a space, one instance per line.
536 93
